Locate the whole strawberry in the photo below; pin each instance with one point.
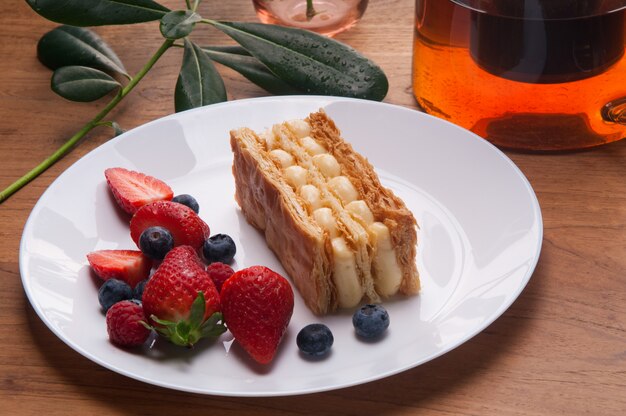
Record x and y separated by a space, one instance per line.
257 304
124 324
185 226
180 299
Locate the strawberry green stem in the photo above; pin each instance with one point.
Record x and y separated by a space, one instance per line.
186 332
69 145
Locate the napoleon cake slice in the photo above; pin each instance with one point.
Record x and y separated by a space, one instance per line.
340 235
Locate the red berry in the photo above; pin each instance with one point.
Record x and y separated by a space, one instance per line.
219 272
257 304
185 226
130 266
133 189
179 285
123 324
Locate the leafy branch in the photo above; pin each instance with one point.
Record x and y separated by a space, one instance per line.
279 59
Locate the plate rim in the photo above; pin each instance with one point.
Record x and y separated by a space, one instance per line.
318 99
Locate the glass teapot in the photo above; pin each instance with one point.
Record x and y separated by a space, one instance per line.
526 74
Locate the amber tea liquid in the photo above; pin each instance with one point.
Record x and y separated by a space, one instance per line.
531 83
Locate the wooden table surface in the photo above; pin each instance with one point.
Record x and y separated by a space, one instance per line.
560 349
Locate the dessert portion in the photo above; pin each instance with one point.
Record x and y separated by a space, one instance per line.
340 235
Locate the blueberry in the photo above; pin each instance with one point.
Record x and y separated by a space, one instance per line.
219 248
370 321
113 291
138 290
187 200
155 242
315 339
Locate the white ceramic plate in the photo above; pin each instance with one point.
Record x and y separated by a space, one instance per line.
480 236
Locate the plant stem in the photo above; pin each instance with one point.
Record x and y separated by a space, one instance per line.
310 10
67 146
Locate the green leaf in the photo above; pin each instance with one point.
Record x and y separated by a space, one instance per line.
254 71
212 331
69 45
179 340
179 23
163 322
198 83
308 61
196 313
183 328
98 12
211 327
184 332
80 83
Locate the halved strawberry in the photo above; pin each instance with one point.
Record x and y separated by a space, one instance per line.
133 189
185 226
130 266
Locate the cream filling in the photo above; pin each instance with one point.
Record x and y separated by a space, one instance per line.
311 196
343 188
361 212
282 158
296 176
268 138
387 271
311 146
388 275
300 128
327 164
345 275
325 219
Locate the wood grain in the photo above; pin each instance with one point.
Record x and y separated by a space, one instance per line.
559 350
